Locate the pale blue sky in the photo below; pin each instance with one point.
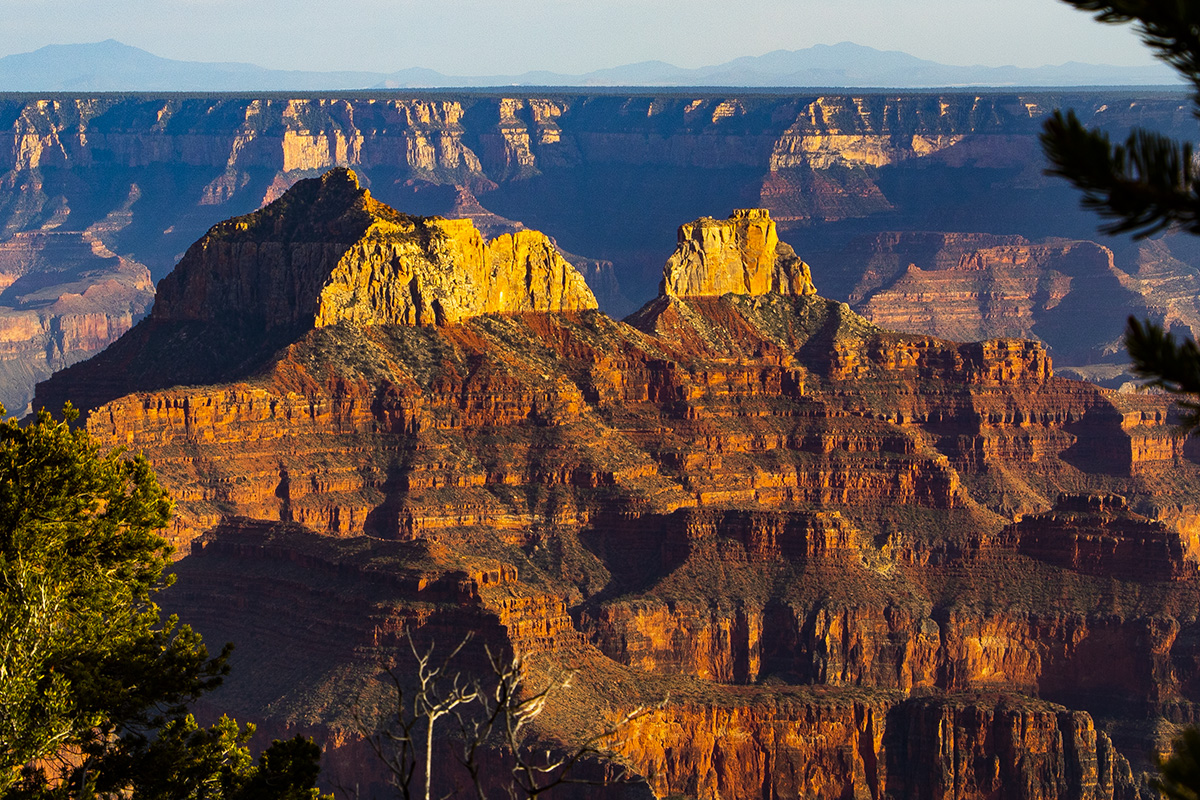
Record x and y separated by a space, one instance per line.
467 37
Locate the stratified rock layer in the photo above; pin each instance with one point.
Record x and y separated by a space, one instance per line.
327 252
63 298
1098 535
148 175
740 255
796 524
970 287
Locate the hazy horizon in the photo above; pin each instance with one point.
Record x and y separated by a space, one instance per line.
471 37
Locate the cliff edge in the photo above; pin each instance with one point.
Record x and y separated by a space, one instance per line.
323 253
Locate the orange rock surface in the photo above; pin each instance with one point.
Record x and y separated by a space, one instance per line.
357 261
740 255
145 176
795 524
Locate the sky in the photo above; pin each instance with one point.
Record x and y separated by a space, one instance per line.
491 37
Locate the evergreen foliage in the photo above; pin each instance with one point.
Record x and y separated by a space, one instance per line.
1167 363
1179 775
94 683
1150 182
1146 185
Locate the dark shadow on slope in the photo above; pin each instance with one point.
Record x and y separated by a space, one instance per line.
159 354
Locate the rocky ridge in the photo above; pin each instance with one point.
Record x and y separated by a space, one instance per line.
345 257
805 158
975 286
797 524
327 253
63 298
147 175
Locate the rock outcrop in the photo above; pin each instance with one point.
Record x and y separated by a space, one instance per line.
1099 535
327 252
808 159
740 255
825 167
795 523
969 287
798 746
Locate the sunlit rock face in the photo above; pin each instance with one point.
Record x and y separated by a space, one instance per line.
608 178
327 252
838 551
740 255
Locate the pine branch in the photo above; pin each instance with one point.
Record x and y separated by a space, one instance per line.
1145 185
1168 364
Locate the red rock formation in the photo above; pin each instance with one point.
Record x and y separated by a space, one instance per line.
817 746
1098 535
110 167
742 255
342 256
974 287
756 489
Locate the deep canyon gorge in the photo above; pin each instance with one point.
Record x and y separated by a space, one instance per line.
895 198
849 562
763 408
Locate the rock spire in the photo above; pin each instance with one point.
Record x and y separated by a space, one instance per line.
739 255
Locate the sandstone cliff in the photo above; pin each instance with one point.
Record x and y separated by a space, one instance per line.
741 255
327 252
323 254
972 286
148 175
798 525
63 298
562 162
1098 535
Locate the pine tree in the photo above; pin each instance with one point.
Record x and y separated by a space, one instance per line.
1145 185
94 683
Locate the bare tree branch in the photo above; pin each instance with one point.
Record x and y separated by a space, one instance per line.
495 716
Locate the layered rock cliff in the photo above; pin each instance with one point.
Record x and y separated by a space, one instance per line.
741 255
608 177
327 252
801 527
1070 295
63 298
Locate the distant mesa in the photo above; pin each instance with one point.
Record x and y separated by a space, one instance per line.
739 255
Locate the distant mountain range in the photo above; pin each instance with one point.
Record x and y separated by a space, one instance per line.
112 66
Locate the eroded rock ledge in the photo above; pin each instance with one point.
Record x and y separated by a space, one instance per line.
796 524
